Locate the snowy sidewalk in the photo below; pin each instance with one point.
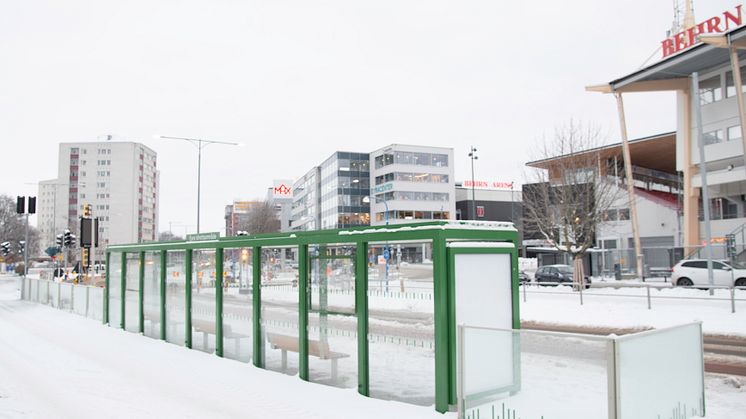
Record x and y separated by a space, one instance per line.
57 365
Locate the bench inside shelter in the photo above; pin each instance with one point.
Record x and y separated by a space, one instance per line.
316 348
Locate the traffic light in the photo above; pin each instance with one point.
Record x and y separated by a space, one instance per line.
21 204
32 205
60 240
5 248
87 210
21 246
67 238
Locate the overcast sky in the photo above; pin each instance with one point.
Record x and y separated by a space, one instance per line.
295 80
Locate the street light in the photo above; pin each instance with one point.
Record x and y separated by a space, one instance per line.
473 156
200 144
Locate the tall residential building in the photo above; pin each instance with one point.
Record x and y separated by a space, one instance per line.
412 183
120 182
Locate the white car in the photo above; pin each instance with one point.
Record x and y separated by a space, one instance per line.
690 272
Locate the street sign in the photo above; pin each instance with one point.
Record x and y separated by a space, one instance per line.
198 237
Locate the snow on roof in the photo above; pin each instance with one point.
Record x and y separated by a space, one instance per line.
450 225
490 245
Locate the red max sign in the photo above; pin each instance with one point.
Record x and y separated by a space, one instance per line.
688 38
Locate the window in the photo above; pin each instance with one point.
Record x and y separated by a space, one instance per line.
440 160
713 137
730 89
384 160
710 90
718 265
439 178
623 214
610 215
404 177
698 264
422 159
734 133
403 157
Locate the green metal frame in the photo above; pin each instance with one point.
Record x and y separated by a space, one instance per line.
162 279
123 290
140 292
438 233
515 310
219 301
188 298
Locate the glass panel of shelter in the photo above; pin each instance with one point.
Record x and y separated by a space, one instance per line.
401 322
203 300
151 295
115 289
237 304
132 293
279 309
175 296
332 323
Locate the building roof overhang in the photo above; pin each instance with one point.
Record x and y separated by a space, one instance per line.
673 73
657 152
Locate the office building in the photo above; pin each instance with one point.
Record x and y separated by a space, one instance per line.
334 194
306 208
411 183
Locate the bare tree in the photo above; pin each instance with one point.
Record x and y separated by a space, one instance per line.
13 229
168 236
261 218
570 192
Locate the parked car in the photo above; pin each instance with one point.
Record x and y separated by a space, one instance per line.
557 273
689 272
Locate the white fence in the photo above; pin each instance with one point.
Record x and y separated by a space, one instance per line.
504 374
84 300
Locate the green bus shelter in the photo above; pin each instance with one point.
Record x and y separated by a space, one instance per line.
372 308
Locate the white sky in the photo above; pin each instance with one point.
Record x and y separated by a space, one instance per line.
296 80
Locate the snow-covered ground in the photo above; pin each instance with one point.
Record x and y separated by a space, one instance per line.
54 364
627 308
57 365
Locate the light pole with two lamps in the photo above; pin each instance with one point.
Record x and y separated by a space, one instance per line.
473 156
200 144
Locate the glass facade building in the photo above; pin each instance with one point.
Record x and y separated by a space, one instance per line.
335 194
345 190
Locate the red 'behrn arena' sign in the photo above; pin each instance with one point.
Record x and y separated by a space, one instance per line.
687 38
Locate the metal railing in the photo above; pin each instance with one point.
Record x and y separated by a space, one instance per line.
583 292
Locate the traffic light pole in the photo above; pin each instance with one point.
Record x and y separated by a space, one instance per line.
25 251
